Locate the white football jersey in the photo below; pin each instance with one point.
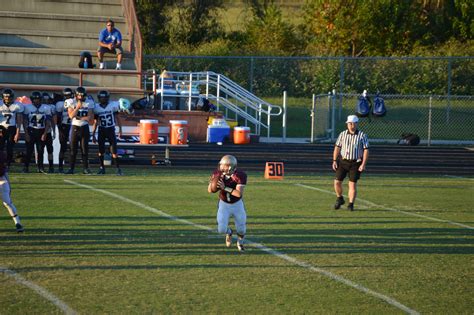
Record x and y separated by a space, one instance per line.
106 117
8 113
62 109
37 116
72 103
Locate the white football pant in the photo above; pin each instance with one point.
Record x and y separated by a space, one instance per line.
227 210
7 201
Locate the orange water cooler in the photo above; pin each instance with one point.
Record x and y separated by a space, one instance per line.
241 135
178 132
148 131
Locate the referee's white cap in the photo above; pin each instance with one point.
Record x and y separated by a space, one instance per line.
352 119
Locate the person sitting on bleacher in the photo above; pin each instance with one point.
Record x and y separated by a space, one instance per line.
110 41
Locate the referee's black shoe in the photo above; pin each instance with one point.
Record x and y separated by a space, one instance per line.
339 202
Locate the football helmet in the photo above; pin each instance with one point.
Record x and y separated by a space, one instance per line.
103 97
8 95
228 164
36 98
47 99
67 93
81 93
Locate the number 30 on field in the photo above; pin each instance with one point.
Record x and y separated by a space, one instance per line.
274 170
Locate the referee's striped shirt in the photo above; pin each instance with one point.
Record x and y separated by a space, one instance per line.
352 145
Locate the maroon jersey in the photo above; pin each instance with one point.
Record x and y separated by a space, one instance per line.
238 178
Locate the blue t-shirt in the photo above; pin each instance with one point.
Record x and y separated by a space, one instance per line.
106 37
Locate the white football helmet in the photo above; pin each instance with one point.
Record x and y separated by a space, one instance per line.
228 164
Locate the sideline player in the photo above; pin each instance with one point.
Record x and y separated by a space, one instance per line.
5 190
51 132
105 115
36 121
231 189
64 126
80 111
11 121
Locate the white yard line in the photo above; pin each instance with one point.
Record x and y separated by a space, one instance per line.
40 290
391 209
262 247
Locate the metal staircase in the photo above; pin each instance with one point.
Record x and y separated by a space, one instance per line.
229 97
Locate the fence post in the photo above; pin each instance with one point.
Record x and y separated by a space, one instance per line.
313 113
429 121
251 74
449 91
284 117
331 103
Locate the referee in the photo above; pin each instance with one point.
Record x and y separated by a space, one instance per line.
350 155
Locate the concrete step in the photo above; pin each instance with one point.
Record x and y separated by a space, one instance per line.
85 7
52 39
116 93
74 23
89 78
56 58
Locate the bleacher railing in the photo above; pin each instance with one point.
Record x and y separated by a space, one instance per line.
227 95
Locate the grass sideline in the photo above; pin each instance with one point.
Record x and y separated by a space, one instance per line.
100 254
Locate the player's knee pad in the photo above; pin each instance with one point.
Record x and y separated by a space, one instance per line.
241 229
221 228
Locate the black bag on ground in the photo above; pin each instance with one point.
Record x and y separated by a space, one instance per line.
362 107
379 109
409 139
86 56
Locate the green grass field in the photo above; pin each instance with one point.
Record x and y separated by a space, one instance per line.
145 243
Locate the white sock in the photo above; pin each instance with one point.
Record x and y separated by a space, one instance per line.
101 66
16 219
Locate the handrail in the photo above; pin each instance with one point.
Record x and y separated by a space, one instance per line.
223 87
136 42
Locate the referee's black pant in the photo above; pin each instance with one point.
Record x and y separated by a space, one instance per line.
80 136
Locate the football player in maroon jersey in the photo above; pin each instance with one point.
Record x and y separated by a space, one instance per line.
231 189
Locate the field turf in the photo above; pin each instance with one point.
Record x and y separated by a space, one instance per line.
145 243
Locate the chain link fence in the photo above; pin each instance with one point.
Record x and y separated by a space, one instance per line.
427 96
435 119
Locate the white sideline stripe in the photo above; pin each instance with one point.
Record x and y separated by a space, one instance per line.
459 177
261 247
392 209
40 290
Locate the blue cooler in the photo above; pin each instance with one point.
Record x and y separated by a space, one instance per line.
218 133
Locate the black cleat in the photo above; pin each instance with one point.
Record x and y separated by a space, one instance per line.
60 170
25 170
339 202
101 171
51 170
119 172
350 206
19 228
70 172
86 171
41 170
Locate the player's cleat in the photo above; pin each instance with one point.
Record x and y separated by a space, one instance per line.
339 202
228 240
51 170
70 171
350 206
101 171
60 170
19 228
41 170
240 245
119 172
86 171
25 170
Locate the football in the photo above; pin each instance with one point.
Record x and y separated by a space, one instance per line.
213 181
